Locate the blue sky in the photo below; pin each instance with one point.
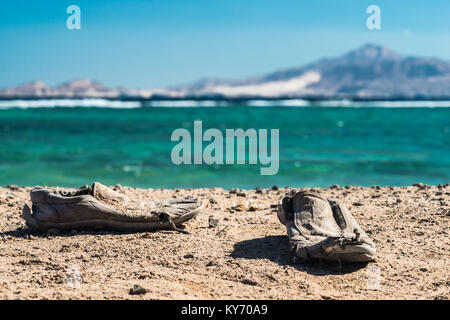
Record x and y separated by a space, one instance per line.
143 44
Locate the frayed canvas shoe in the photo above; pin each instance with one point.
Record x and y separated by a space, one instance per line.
101 207
322 229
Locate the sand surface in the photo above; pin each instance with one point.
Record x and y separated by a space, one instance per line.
246 256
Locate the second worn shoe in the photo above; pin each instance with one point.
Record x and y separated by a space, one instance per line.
323 229
101 207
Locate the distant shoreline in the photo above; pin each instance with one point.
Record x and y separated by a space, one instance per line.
229 99
129 103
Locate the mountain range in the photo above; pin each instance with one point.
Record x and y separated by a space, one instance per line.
370 72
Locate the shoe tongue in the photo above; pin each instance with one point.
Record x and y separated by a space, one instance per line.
338 215
106 194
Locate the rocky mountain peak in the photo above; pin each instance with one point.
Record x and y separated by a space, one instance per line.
372 51
81 84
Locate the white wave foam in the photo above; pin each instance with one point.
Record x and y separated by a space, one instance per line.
279 103
68 103
385 104
185 103
105 103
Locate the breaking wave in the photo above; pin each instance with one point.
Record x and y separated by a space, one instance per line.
69 103
118 104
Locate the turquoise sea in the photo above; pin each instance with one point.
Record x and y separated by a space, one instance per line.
319 146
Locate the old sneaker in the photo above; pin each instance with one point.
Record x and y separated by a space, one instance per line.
322 229
101 207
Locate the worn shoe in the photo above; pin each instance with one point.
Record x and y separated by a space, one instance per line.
322 229
101 207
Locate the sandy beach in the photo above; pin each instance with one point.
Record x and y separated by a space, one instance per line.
244 257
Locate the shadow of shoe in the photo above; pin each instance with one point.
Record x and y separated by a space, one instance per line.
276 249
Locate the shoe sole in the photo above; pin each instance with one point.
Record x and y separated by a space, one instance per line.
105 224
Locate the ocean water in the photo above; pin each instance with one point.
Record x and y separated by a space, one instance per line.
319 146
